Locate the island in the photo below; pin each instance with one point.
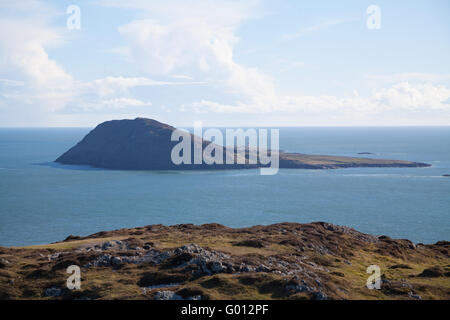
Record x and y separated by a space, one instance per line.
315 260
145 144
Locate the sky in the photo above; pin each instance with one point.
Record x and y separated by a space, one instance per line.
225 63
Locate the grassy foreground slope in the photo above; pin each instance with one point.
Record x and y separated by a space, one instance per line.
281 261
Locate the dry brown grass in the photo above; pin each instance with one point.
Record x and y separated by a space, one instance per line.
338 257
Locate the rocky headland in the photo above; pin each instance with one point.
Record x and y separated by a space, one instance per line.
281 261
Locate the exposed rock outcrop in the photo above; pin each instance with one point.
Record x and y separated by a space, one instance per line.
281 261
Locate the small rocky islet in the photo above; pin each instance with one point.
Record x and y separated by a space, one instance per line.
281 261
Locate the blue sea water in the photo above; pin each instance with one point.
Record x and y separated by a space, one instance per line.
45 203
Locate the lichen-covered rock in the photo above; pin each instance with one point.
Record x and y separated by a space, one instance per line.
114 245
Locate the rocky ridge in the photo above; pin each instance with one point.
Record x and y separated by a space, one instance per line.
282 261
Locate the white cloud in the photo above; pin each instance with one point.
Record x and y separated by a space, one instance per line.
221 13
23 45
9 82
198 38
317 27
183 40
181 76
205 106
31 80
188 40
24 61
112 85
403 97
409 76
413 97
76 96
112 104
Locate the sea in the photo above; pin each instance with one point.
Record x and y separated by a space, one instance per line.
43 202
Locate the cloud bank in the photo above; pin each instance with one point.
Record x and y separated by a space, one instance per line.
181 41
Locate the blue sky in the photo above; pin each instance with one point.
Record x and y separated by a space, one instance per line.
225 63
